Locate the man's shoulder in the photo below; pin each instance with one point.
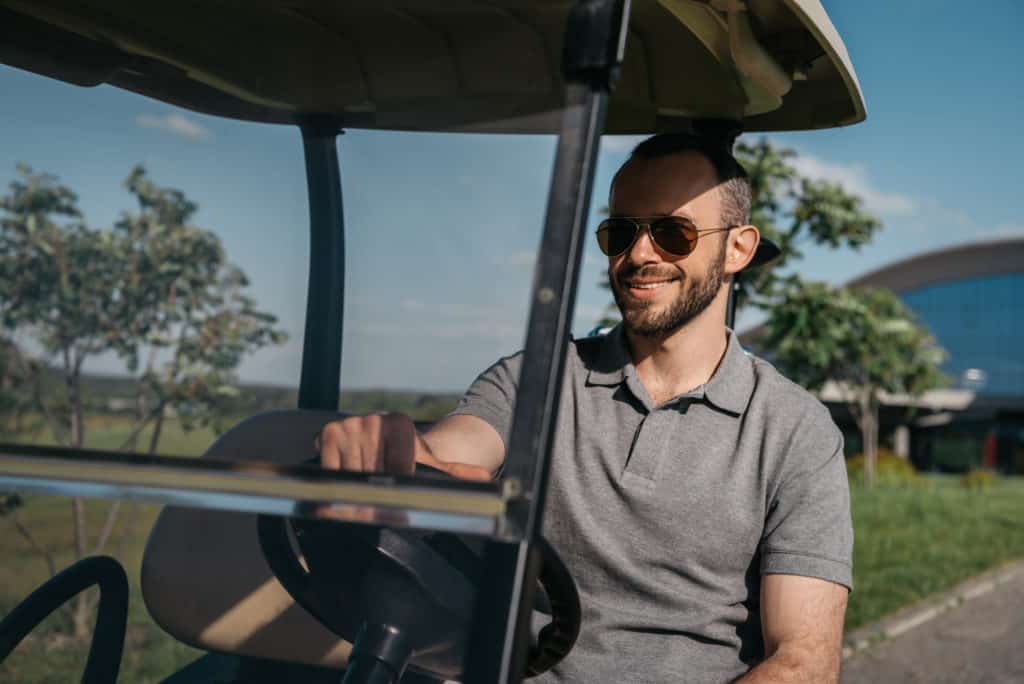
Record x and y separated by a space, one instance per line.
782 397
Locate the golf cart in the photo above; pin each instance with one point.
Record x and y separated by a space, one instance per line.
311 575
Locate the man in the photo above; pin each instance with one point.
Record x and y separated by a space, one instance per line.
698 497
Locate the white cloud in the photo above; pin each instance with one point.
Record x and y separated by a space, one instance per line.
854 178
175 124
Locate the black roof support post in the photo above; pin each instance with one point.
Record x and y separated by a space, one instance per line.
320 381
730 304
593 52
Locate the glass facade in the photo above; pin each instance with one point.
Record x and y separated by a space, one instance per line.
980 324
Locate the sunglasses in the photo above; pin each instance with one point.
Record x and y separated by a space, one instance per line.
672 234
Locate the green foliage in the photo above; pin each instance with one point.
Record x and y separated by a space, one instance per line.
865 338
794 212
892 471
979 480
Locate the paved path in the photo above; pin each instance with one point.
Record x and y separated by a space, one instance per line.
979 642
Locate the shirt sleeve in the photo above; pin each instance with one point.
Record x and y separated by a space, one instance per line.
808 529
492 395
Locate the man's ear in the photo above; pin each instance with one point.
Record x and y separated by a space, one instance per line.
741 243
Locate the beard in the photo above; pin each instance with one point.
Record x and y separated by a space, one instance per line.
642 318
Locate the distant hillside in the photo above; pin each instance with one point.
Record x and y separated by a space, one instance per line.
115 394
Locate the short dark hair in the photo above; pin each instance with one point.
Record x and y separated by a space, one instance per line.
734 181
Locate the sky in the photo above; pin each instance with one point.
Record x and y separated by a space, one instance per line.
442 229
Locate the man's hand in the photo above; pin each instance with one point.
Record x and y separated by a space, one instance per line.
384 443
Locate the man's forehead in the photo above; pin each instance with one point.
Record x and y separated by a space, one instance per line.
676 183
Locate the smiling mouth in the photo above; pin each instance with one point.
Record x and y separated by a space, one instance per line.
648 285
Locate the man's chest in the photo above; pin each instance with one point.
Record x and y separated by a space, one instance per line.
655 504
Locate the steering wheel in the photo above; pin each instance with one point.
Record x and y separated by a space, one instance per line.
104 659
404 598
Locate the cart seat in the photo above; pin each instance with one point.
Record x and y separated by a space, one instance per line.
204 579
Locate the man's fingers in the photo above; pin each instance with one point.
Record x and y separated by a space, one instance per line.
375 443
329 445
465 471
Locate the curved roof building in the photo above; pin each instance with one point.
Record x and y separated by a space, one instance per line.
972 299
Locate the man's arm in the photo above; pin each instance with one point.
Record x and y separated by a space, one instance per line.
802 623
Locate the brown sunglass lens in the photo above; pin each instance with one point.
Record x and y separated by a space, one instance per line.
674 236
614 236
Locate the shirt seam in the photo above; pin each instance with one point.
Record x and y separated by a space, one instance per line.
767 552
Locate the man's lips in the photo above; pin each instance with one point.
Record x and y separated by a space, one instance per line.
646 288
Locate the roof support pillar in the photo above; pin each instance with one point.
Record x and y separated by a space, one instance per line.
320 381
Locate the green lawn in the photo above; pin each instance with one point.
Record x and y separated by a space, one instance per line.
111 431
910 542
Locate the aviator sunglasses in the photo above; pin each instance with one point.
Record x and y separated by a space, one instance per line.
672 234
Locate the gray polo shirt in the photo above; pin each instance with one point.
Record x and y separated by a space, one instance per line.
668 515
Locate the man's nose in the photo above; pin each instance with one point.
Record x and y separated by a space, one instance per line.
643 250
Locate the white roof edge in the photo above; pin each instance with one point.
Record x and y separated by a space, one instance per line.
938 399
816 19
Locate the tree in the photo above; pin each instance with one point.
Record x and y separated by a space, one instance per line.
154 282
864 340
795 212
205 323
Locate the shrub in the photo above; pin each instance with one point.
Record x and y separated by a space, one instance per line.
979 480
890 470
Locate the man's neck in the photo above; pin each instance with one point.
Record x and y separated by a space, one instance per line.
682 360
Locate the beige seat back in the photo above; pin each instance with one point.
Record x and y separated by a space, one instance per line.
204 579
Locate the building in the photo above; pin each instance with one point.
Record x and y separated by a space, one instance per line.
971 297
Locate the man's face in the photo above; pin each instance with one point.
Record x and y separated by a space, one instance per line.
658 292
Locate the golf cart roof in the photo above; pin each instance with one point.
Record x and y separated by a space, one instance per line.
457 65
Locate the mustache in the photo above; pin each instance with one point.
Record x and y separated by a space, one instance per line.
650 271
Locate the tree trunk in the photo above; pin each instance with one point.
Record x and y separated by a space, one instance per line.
72 377
868 419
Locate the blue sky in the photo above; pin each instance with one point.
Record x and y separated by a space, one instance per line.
443 229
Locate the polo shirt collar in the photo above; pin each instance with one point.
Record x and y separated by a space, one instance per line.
728 389
732 384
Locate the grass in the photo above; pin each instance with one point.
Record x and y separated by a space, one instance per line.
914 541
110 431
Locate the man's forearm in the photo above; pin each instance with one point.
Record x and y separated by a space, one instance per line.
787 667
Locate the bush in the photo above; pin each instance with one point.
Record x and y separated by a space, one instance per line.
890 470
979 480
